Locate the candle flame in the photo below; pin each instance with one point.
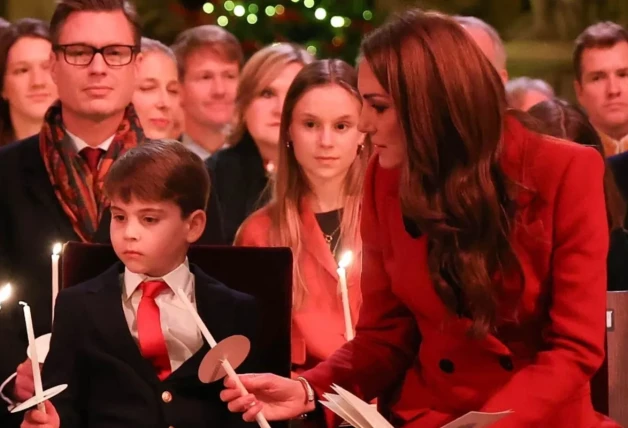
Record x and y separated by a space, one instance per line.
56 249
5 293
345 260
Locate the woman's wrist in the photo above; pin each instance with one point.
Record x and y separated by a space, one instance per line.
309 397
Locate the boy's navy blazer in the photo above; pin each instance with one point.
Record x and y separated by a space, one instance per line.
112 385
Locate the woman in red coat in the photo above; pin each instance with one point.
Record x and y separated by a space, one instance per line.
484 250
315 205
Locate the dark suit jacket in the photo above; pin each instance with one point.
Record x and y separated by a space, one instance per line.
239 180
31 221
110 384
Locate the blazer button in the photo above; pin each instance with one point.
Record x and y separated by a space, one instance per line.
506 362
166 396
446 365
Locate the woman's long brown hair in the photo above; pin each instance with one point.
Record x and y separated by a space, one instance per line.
562 120
451 106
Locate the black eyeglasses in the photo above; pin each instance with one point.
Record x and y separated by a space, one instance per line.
83 55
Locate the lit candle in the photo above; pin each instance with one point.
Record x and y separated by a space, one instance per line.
56 250
345 261
5 293
261 420
39 390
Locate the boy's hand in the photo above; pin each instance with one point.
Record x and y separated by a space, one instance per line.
36 419
24 384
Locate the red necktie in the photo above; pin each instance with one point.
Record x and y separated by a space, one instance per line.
151 337
92 157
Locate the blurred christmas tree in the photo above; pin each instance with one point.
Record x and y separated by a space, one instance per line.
328 28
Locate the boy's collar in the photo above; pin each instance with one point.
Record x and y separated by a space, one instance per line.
179 277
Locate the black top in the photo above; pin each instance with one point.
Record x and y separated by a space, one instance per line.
238 182
329 222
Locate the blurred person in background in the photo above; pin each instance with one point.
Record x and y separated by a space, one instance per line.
600 62
26 87
488 40
156 97
524 92
209 59
240 173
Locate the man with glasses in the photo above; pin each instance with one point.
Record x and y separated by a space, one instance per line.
51 183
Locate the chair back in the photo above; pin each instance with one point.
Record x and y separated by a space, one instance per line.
617 355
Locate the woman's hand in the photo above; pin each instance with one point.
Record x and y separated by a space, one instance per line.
37 419
280 398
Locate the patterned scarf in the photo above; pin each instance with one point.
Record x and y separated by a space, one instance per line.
81 194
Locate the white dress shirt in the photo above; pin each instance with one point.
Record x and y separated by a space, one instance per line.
197 148
182 337
80 144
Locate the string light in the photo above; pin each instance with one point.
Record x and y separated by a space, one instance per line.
253 8
311 48
251 19
239 10
270 10
208 8
337 41
279 9
222 21
308 3
295 1
320 13
337 21
367 14
229 5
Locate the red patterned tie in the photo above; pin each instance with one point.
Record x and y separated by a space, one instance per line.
92 157
151 337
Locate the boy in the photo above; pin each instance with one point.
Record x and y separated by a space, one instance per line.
121 368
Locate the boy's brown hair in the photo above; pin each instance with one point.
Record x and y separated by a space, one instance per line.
160 171
67 7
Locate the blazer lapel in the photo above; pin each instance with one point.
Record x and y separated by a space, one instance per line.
106 308
38 186
314 241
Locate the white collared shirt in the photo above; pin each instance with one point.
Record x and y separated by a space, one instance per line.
197 148
80 144
182 337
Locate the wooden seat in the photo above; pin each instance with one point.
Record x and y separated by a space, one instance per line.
609 386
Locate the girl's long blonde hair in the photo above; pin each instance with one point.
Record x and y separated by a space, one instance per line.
290 186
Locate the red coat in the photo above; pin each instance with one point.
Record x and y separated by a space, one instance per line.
318 327
408 340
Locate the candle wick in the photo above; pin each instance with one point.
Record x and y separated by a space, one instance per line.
23 303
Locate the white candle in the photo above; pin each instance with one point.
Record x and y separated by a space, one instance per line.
261 420
345 261
39 390
56 250
5 293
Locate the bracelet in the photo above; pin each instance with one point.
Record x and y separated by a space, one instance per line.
309 392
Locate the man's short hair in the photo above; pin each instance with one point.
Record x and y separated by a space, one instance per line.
601 35
160 171
224 44
516 90
498 44
67 7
